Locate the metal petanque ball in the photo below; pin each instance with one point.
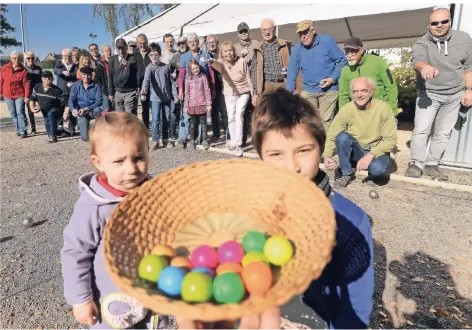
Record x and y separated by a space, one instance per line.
373 194
28 222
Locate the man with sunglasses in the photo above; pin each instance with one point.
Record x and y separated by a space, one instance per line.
375 67
442 59
320 60
245 47
269 62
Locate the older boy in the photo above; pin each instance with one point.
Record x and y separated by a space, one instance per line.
287 131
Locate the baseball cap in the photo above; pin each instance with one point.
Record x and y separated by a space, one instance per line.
47 74
304 25
86 70
120 43
354 43
243 26
182 39
131 43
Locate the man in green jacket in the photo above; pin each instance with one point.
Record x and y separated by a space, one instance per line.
367 65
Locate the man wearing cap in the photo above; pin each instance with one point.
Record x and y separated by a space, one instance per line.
442 59
132 47
269 62
361 64
123 79
320 61
245 47
85 101
49 99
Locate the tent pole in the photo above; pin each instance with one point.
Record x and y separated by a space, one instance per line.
348 27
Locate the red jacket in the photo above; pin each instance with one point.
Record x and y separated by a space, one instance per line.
14 84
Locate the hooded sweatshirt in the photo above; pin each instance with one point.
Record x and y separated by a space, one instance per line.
343 294
451 55
83 268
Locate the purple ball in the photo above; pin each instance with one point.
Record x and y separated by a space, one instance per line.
230 251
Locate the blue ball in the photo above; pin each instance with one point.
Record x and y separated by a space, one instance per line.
204 270
170 281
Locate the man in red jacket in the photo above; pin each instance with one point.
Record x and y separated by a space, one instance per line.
15 87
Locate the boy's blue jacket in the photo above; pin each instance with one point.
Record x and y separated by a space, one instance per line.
343 294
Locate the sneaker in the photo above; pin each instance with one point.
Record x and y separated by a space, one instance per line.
238 152
434 172
171 143
342 182
33 131
52 139
18 134
23 135
413 171
214 139
156 145
205 145
164 143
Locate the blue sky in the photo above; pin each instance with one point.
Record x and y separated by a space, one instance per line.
52 27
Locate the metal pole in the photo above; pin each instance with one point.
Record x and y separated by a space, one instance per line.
22 29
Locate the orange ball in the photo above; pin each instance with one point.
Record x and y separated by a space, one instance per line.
228 267
257 277
181 262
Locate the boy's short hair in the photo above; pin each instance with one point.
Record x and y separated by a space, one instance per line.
282 111
120 125
155 48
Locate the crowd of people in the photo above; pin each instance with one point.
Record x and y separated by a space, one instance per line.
199 86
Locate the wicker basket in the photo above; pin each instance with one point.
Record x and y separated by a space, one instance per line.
211 202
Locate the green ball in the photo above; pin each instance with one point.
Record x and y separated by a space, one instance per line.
151 266
228 288
254 241
196 287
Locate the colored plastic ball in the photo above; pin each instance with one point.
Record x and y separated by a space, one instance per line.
181 262
163 250
257 277
196 287
254 241
204 256
151 266
254 256
208 271
278 250
228 267
230 251
170 281
228 288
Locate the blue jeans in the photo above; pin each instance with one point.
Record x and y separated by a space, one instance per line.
105 103
16 107
84 122
183 126
350 152
156 107
50 120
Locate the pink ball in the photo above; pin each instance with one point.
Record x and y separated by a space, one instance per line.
204 256
230 251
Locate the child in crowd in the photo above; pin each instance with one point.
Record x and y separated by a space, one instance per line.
120 153
237 91
49 99
158 78
287 131
197 102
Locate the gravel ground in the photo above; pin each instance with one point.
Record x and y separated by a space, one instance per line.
423 238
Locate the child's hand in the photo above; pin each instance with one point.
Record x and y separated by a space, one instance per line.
86 314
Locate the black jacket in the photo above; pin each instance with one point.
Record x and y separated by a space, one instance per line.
62 80
122 78
142 64
34 74
52 98
101 76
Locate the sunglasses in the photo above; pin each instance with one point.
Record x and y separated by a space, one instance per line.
243 31
47 78
29 58
305 32
351 50
436 23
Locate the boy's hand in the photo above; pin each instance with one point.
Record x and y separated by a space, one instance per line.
86 314
329 163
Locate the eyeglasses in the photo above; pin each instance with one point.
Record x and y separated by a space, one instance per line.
194 42
243 31
351 51
212 42
268 30
436 23
305 32
92 49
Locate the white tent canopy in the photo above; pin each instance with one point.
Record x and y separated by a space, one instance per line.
380 25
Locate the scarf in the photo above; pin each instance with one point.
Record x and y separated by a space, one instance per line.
439 40
322 181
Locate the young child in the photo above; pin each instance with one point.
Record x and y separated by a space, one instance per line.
158 78
287 131
49 99
119 152
197 102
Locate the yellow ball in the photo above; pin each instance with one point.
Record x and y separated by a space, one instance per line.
254 256
278 250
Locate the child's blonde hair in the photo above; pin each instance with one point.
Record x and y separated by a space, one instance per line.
118 125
